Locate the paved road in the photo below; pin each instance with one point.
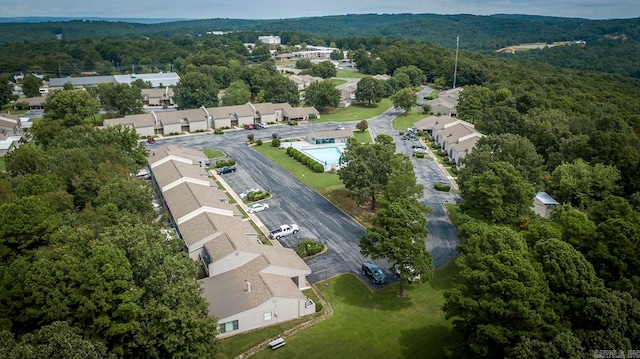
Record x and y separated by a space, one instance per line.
293 202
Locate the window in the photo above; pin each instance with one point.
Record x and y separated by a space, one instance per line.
267 316
229 326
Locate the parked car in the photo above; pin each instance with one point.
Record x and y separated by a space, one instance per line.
264 125
225 170
340 127
372 271
244 194
248 127
151 140
419 150
284 230
418 146
257 207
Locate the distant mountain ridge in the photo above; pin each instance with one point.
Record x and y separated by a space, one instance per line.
38 19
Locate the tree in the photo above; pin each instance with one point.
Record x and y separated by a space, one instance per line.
402 182
6 91
404 100
581 184
72 107
120 99
336 55
398 234
238 93
362 59
324 69
498 195
322 95
280 89
377 67
304 64
473 101
513 149
416 76
57 339
31 86
501 296
367 170
260 53
370 90
362 125
195 90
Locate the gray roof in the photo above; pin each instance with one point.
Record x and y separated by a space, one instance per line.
429 123
546 199
80 81
227 111
186 199
137 121
157 80
166 117
187 154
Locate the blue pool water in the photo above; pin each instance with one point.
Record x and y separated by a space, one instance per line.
328 156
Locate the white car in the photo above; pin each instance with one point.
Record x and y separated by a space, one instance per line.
340 127
243 195
257 207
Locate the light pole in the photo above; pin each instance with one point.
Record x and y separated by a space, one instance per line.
455 70
326 280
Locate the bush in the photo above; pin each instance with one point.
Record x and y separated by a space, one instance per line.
304 160
298 156
218 131
225 162
250 137
442 187
257 195
259 143
313 116
308 248
419 155
318 307
445 158
276 143
289 150
292 123
318 168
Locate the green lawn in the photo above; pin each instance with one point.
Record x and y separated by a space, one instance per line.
337 82
376 324
362 137
350 74
213 153
402 122
356 112
327 184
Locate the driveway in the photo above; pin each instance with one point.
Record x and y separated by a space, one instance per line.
319 220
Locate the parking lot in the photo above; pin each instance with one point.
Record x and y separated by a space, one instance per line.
319 220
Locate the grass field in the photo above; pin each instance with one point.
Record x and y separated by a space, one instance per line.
402 122
376 324
350 74
356 112
362 137
213 153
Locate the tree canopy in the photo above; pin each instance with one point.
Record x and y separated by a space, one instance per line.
322 95
196 90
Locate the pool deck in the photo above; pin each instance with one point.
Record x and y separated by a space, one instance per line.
304 145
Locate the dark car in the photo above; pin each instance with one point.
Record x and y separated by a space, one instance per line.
151 140
225 170
372 271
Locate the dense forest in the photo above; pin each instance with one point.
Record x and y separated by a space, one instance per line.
607 40
527 287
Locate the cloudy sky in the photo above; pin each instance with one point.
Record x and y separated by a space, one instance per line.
271 9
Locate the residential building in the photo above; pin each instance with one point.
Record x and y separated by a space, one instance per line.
446 103
544 204
165 122
247 284
10 133
158 97
162 79
303 81
269 40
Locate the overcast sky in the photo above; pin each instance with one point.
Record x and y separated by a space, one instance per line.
271 9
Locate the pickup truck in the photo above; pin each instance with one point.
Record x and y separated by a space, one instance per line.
284 230
225 170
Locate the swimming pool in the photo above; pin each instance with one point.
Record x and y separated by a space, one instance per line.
328 156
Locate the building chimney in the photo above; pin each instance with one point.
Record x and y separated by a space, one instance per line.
248 286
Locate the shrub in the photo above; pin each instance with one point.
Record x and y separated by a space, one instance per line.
218 131
257 195
318 307
304 160
313 116
276 143
419 155
318 168
225 162
445 158
298 156
259 143
442 187
289 150
308 248
292 123
250 137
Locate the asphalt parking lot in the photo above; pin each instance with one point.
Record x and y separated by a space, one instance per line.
319 220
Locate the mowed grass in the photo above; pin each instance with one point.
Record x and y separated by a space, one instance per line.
362 137
350 74
356 112
327 184
213 153
378 324
402 122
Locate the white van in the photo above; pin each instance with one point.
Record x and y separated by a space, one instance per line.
44 91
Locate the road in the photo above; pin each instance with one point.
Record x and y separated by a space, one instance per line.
319 220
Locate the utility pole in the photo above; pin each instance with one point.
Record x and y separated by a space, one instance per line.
455 71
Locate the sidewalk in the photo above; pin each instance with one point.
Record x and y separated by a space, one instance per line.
240 202
454 184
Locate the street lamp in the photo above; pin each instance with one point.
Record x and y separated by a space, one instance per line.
326 280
